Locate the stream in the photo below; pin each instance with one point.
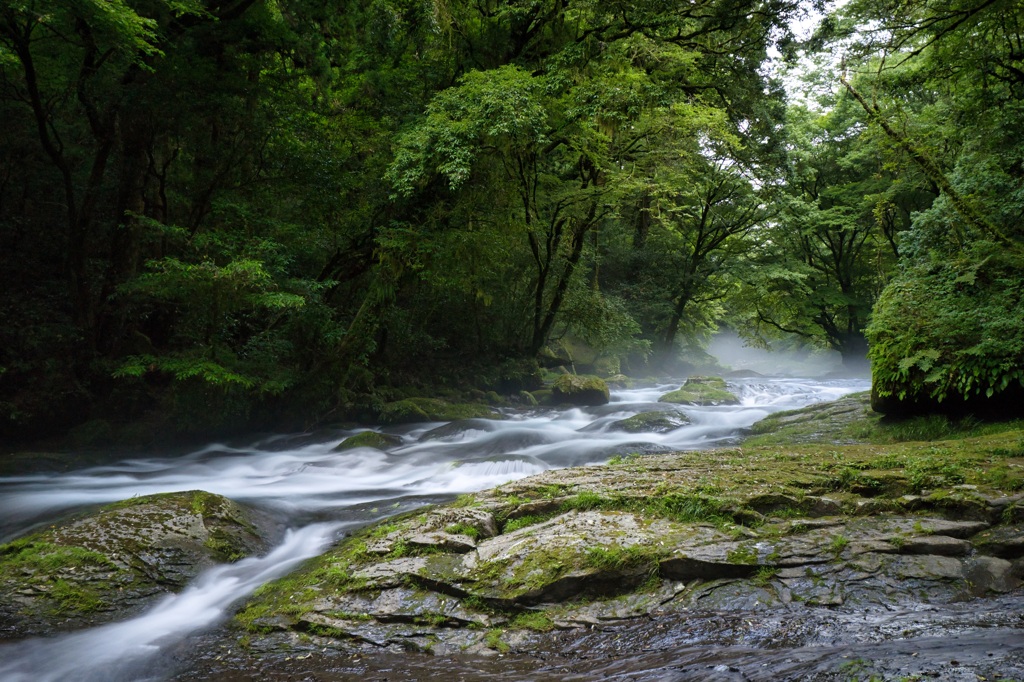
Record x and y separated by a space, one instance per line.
318 494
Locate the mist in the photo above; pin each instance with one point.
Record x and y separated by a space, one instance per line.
733 353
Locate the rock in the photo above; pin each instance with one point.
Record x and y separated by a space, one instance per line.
457 429
650 422
936 544
100 566
1005 542
701 391
989 574
369 439
756 528
413 410
582 390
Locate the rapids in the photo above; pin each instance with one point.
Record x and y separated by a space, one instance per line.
318 493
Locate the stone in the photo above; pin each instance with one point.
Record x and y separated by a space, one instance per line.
1006 542
701 391
936 544
987 574
583 390
369 439
97 567
650 422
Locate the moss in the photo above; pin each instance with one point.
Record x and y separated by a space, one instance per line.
30 555
538 621
494 641
515 524
464 529
838 544
745 554
764 575
616 558
73 597
224 546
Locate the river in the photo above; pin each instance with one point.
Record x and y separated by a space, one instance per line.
318 494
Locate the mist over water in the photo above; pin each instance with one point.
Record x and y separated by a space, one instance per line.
733 352
300 482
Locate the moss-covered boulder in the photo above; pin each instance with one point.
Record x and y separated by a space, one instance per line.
581 389
946 336
702 391
413 410
651 422
112 562
369 439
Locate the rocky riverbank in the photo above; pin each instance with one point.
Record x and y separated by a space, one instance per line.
840 523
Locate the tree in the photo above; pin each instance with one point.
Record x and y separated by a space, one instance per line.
823 257
942 82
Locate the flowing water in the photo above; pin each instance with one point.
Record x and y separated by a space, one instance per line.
318 493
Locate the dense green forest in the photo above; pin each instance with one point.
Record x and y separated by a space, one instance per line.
216 213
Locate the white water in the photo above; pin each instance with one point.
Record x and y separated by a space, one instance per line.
310 481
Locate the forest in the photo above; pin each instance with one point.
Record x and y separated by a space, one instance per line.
220 213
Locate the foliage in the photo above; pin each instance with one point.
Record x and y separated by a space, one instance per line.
944 86
291 211
951 330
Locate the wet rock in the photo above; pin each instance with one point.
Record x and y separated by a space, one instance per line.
583 389
109 563
1006 542
413 410
650 422
729 531
936 544
369 439
989 574
701 391
445 542
951 528
458 428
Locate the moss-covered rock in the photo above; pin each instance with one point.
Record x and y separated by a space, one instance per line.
946 336
111 562
583 389
413 410
701 391
369 439
651 422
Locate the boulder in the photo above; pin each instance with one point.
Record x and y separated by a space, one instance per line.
583 389
701 391
112 562
369 439
413 410
650 422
